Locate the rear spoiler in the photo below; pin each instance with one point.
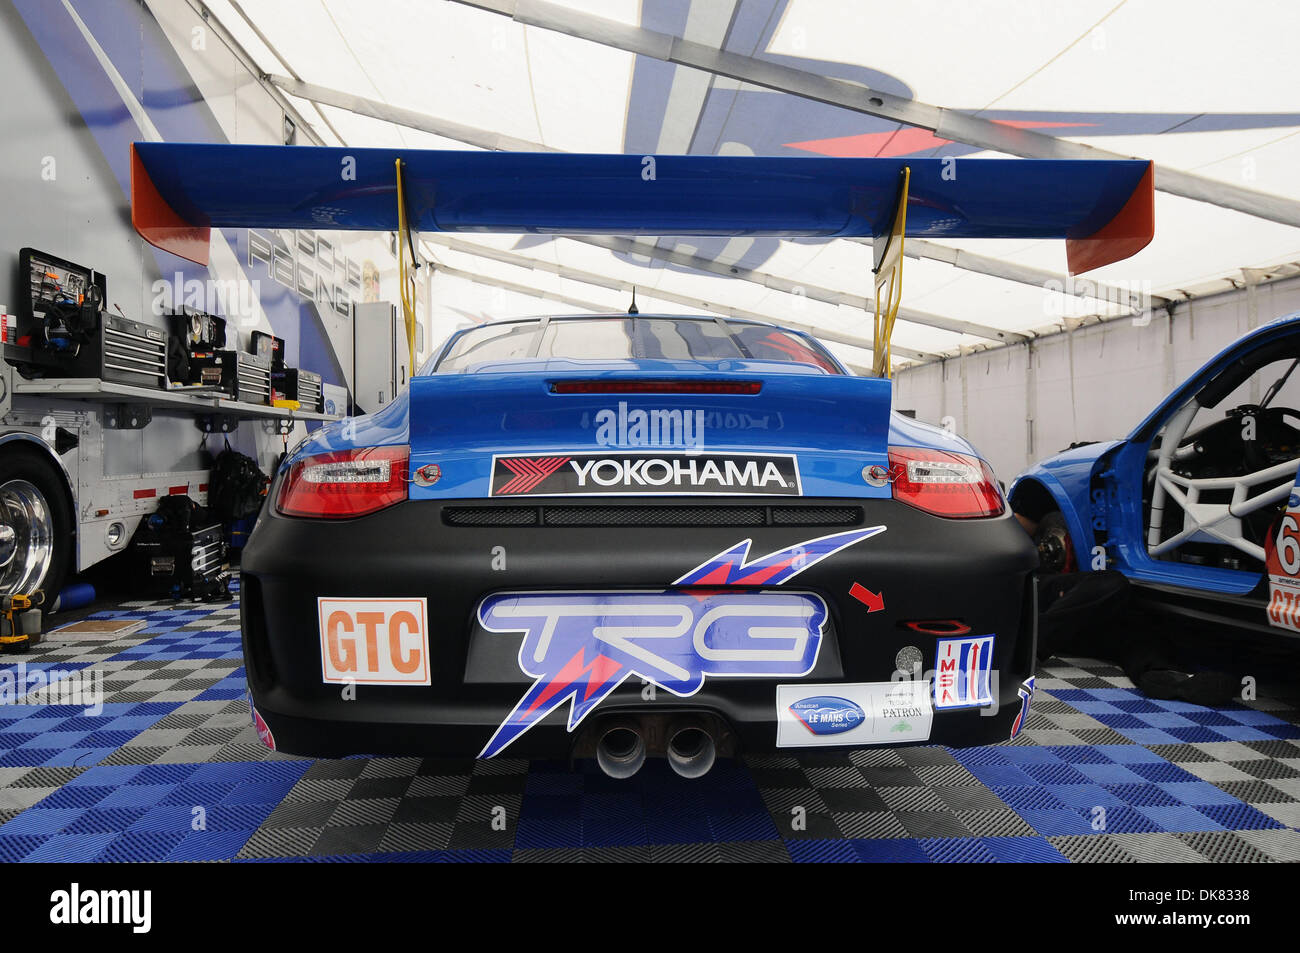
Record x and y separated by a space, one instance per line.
1103 208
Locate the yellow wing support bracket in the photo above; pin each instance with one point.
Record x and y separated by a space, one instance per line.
405 268
888 254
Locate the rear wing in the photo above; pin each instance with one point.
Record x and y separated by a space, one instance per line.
1102 208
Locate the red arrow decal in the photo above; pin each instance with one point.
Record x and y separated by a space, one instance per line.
874 601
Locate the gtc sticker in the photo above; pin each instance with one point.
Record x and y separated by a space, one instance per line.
580 646
1026 693
660 474
962 670
827 714
374 641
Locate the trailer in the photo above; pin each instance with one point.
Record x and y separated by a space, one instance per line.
82 458
68 496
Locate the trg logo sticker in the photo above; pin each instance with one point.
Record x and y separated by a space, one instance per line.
580 646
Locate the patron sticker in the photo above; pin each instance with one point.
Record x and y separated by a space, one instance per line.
374 641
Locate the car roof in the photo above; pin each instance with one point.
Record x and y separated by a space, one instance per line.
643 314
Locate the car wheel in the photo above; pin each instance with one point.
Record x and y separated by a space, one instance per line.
1055 552
35 525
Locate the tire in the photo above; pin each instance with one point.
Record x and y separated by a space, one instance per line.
1055 551
35 524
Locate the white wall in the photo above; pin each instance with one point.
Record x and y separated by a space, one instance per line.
1019 404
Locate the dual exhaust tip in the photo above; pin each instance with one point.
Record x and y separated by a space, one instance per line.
621 749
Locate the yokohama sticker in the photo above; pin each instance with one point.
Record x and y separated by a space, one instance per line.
639 474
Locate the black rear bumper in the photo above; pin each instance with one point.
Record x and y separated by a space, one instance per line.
973 572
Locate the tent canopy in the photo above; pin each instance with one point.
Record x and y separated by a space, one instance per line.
1213 101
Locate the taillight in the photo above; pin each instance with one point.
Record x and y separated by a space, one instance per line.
345 483
944 483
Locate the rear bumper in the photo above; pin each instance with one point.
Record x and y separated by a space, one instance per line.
975 572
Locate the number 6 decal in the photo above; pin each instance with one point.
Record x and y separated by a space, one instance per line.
1282 563
1288 545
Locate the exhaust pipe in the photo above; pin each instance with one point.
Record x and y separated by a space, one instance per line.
620 752
691 750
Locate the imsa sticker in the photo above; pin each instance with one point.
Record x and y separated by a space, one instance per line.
853 714
962 672
639 474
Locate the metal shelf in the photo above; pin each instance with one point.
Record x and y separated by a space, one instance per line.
101 391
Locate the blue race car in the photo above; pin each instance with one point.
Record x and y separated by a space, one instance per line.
613 534
1194 505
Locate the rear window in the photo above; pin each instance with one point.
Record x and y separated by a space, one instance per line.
496 342
632 337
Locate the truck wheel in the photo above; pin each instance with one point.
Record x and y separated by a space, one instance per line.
35 525
1055 551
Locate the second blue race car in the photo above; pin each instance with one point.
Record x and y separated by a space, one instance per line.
1198 506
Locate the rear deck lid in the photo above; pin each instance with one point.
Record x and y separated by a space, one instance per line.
546 428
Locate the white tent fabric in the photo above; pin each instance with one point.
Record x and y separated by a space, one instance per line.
1196 86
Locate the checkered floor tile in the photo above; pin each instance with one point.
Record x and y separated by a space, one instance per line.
170 769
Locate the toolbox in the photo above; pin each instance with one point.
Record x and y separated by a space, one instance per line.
293 383
173 560
244 377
